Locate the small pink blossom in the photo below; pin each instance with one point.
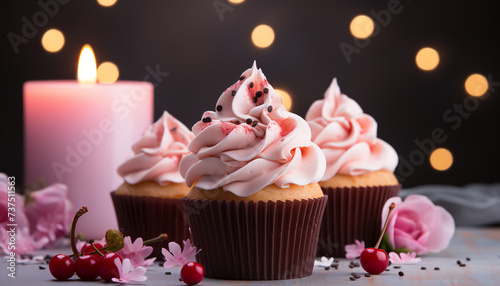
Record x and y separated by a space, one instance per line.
137 252
175 257
354 250
418 225
129 273
403 258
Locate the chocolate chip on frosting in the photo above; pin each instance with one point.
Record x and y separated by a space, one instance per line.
219 107
255 123
270 108
242 77
249 121
233 92
251 84
266 90
207 119
255 99
258 94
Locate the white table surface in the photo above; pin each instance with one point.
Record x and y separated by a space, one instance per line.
481 245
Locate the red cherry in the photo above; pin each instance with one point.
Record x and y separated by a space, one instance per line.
86 267
87 249
107 267
192 273
61 267
374 260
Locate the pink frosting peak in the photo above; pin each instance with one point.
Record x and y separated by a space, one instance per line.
250 142
158 153
347 136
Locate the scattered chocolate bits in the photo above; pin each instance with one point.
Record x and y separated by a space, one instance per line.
251 85
397 267
258 94
242 77
219 107
41 267
161 264
387 269
436 268
327 268
467 258
233 92
207 119
180 279
168 273
463 265
367 275
355 275
336 266
249 121
423 268
401 273
266 90
269 109
255 123
459 262
352 278
255 99
389 263
353 264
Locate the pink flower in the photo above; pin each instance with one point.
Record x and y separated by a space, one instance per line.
404 258
48 211
418 225
128 273
174 256
354 250
136 252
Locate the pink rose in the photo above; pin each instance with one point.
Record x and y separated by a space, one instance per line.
418 225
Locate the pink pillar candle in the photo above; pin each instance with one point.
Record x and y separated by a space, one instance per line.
78 134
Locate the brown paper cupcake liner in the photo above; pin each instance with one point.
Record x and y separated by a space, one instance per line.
352 213
256 240
148 217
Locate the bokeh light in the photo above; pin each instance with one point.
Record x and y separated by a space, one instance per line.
476 85
427 59
362 26
263 36
235 1
106 3
441 159
286 99
107 72
53 40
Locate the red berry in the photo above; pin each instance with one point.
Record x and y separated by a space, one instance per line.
86 267
107 267
87 249
192 273
374 260
61 267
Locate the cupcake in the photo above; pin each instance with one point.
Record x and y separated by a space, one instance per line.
148 203
359 174
255 207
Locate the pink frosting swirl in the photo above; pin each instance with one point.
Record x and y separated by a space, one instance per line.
347 136
158 153
251 142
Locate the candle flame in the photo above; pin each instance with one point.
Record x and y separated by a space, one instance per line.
87 67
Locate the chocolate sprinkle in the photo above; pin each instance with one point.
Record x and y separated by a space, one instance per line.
401 273
251 84
168 273
423 268
41 267
368 275
355 264
356 275
255 99
459 262
219 107
161 264
266 90
180 279
463 265
436 268
207 119
242 77
327 268
389 263
258 94
255 123
270 109
352 278
387 269
397 267
249 121
467 258
233 92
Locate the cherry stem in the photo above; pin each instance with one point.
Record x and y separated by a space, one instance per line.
93 246
391 208
78 214
159 238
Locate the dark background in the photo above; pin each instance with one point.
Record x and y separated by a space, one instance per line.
204 54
